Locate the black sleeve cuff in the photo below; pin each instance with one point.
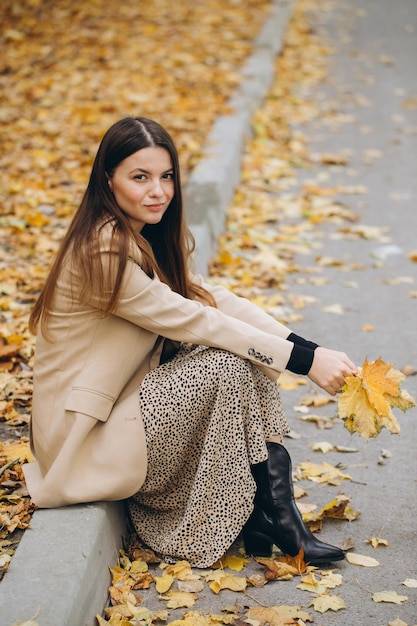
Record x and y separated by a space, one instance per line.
299 341
301 359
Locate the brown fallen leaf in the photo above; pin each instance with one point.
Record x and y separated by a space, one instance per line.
339 508
276 570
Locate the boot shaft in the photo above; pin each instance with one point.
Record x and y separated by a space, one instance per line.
273 478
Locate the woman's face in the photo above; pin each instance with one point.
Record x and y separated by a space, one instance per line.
143 186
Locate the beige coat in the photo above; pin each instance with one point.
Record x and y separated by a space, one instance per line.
87 433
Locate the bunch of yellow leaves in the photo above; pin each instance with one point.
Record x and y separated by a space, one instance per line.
367 399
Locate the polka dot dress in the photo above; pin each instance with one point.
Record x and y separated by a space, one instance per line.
207 414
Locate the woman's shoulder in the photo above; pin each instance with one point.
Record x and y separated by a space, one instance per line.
112 239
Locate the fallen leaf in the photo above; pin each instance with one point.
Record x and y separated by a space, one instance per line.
179 599
328 603
312 584
376 541
275 570
322 446
366 402
388 596
278 615
231 561
163 583
359 559
345 449
228 581
410 582
322 473
338 508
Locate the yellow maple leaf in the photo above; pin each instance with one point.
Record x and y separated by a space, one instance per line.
228 581
18 451
322 473
311 583
179 599
163 583
328 603
231 561
181 570
388 596
366 402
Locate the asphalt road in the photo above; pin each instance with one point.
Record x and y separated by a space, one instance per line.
373 83
373 91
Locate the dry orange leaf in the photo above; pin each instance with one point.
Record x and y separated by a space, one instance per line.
366 402
275 570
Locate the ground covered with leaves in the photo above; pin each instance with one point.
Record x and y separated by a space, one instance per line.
68 71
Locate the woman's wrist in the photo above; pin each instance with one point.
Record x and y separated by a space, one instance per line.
302 354
300 341
301 360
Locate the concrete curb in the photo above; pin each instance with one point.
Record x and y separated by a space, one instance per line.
59 574
212 183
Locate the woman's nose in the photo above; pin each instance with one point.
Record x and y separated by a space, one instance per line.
156 189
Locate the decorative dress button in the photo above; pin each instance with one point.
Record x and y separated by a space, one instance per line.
251 351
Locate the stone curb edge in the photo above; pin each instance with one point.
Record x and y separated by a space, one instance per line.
210 188
59 573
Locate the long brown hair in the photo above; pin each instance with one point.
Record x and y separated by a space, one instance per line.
165 247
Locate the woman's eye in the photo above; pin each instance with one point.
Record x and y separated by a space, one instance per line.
169 176
139 177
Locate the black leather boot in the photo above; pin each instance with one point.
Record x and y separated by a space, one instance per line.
276 518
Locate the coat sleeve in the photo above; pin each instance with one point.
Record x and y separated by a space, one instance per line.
242 309
151 304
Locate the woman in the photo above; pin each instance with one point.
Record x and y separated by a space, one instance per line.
152 386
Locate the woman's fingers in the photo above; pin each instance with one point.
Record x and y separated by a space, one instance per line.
330 369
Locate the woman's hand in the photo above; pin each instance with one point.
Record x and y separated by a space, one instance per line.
330 368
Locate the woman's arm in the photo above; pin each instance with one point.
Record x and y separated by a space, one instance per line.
325 367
